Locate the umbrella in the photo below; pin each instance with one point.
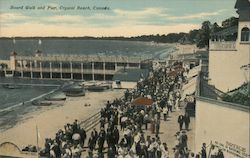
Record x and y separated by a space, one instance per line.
142 101
76 136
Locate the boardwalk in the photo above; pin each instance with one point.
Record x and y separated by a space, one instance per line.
164 90
168 128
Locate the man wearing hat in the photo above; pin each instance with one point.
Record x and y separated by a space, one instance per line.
101 140
116 135
220 154
184 139
180 121
186 120
203 151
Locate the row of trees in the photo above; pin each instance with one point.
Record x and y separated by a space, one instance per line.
200 37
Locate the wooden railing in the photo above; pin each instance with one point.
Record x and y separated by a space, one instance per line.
57 70
91 122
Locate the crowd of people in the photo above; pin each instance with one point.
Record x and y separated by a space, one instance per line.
68 142
164 87
129 131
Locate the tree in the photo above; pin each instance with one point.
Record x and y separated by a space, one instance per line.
204 35
230 22
193 35
215 28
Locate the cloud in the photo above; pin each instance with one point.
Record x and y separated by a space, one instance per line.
124 17
116 17
140 13
117 22
197 15
12 17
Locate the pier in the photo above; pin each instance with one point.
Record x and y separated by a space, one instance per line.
70 67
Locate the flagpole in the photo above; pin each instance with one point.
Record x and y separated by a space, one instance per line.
37 146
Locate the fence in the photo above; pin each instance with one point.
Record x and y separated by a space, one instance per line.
91 122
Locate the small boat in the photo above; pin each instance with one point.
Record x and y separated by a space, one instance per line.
11 86
74 92
88 84
56 97
94 86
41 103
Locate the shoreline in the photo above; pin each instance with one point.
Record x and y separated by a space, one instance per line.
50 120
28 101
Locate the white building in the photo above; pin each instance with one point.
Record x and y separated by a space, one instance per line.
225 125
227 58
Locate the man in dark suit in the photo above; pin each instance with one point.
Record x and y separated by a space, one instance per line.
101 140
203 151
186 120
180 121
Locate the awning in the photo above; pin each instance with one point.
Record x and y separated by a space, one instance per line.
142 101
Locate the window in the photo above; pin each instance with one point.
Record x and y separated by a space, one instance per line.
245 34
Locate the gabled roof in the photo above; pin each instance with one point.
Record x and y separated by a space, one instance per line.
242 4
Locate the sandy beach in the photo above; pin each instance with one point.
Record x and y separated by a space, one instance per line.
50 120
184 49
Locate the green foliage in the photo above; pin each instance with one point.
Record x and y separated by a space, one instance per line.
240 95
232 21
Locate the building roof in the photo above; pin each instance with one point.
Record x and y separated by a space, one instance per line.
130 75
240 95
207 93
242 4
237 97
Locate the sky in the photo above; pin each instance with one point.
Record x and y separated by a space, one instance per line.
108 17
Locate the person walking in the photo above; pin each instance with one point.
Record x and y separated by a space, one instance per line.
169 105
165 113
180 121
116 135
91 143
184 139
220 154
203 151
146 120
101 140
186 121
157 128
153 126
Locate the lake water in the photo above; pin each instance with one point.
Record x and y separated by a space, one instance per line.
69 46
